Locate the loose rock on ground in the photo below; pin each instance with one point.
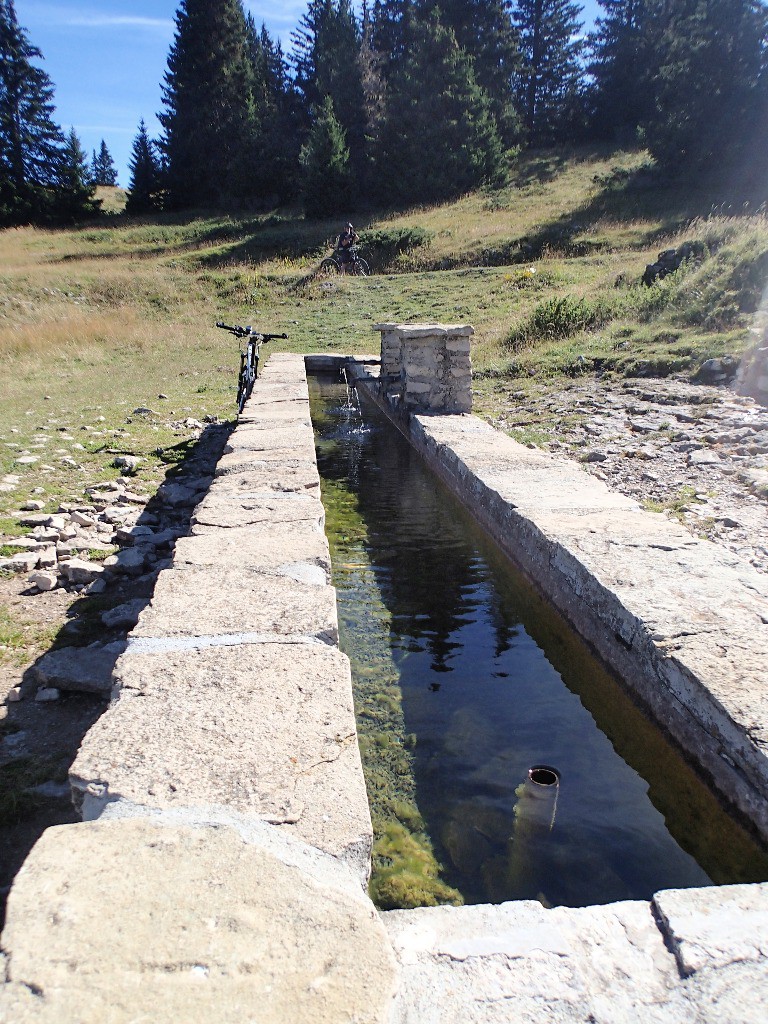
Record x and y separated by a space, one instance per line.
694 451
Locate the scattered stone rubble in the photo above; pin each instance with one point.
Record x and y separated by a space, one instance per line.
119 537
56 551
698 452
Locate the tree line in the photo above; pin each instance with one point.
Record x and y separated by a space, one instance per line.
403 102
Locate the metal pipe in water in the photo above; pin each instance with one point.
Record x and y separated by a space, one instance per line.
537 797
535 813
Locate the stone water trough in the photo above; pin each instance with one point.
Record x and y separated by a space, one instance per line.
219 872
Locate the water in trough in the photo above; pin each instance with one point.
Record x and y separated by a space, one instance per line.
465 680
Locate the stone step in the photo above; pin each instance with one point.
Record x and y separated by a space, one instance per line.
152 922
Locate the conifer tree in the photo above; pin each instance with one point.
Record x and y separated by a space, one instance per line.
326 177
439 138
74 190
550 81
391 27
209 116
710 82
326 60
103 171
145 187
372 80
485 29
623 66
274 161
30 141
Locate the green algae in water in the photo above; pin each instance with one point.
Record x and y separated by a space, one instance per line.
405 872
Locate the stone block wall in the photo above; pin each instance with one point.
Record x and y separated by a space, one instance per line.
391 350
427 366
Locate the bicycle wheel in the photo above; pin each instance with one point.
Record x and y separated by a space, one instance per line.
360 268
329 267
247 377
242 384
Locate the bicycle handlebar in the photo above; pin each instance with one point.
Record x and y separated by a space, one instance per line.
248 332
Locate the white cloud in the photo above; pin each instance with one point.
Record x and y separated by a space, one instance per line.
117 21
83 16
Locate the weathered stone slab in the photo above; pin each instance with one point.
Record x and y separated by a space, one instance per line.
283 360
521 962
266 477
263 731
192 601
417 331
282 548
222 509
278 459
275 414
283 370
709 929
267 393
257 437
124 921
608 965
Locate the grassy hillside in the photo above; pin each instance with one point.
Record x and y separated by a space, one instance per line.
97 321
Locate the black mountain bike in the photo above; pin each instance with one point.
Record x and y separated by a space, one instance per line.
336 265
249 358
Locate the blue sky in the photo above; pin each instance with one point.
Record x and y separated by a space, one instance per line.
107 58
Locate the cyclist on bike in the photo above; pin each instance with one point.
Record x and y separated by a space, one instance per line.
346 240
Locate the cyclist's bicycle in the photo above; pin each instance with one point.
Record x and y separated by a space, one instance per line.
249 358
336 264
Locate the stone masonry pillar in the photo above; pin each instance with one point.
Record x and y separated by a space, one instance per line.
428 365
391 350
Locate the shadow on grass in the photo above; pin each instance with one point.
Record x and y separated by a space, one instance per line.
540 167
641 195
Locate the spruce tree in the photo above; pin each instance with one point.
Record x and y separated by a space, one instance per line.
391 30
30 141
275 143
373 83
710 85
145 187
326 61
550 83
103 171
439 138
623 66
74 190
485 29
326 177
209 116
